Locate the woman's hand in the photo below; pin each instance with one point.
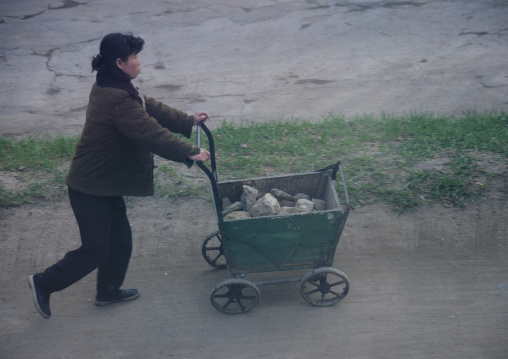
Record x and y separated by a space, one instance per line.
200 117
202 156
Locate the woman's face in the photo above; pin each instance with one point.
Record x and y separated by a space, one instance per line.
131 67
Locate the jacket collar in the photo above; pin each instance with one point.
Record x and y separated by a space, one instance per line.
105 79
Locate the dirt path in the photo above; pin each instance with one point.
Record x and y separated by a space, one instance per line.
428 285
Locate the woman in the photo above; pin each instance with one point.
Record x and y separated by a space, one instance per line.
114 158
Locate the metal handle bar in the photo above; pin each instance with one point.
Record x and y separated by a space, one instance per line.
202 126
212 174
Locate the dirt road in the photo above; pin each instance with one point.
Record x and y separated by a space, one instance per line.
433 284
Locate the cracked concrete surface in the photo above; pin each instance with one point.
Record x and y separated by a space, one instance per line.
257 60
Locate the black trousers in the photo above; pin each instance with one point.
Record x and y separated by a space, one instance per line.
106 244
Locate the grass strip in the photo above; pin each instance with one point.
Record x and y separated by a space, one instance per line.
406 161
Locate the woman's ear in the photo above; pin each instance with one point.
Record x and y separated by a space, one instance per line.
119 63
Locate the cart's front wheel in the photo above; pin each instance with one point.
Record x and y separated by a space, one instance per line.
324 286
234 296
213 251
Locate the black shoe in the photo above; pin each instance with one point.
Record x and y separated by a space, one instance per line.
125 294
41 299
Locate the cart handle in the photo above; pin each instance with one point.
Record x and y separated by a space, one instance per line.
212 174
202 126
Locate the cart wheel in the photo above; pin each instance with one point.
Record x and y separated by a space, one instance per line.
234 296
213 251
324 286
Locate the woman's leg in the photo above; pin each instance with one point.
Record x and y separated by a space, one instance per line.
94 217
111 272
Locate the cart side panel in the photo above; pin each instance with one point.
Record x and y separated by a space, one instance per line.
282 242
329 195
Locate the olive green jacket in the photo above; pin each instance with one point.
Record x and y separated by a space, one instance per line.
114 154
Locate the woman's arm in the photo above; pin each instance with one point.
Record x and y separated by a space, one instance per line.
136 124
168 117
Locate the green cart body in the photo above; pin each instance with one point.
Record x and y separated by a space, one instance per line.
277 242
283 242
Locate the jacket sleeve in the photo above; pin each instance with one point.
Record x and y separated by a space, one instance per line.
136 124
174 120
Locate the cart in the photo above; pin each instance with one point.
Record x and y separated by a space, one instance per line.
276 243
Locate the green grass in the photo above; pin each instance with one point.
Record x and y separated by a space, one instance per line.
406 161
34 153
36 166
171 182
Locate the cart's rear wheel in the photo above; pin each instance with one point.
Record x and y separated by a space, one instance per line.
213 251
324 286
234 296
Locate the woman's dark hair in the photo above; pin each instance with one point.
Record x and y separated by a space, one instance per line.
114 46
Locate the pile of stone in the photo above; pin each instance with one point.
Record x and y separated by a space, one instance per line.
254 203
